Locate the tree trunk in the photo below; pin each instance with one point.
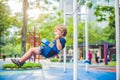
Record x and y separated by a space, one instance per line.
24 27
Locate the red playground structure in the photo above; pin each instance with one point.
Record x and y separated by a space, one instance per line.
33 41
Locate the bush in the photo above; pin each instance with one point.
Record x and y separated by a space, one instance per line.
54 60
25 66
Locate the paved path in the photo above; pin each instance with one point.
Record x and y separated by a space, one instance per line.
54 71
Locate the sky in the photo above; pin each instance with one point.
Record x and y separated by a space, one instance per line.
34 13
16 6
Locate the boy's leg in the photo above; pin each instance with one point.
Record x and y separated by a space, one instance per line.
29 53
26 56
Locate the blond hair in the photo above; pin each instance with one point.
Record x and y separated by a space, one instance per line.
62 29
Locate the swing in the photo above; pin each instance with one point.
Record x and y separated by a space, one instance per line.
47 48
86 61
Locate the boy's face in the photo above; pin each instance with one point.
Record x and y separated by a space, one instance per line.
57 32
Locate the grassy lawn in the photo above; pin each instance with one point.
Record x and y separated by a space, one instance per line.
112 63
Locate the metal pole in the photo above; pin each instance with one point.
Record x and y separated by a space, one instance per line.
117 25
75 41
65 46
34 41
86 37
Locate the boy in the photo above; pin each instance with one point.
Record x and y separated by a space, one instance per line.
48 50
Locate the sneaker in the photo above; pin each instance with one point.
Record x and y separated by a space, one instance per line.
17 62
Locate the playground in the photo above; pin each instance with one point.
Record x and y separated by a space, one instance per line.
54 71
81 48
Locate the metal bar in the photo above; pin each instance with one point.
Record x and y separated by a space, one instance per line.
65 46
86 38
75 41
117 25
70 13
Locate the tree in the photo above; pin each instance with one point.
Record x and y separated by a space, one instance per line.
6 21
108 35
32 5
24 27
47 27
95 32
106 13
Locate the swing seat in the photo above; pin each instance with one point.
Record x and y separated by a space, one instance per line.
47 48
46 42
86 61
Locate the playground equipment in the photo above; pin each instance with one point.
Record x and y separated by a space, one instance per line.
48 48
33 40
105 53
117 25
75 40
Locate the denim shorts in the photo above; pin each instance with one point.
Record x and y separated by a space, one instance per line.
50 54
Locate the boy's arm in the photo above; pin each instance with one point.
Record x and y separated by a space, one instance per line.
58 44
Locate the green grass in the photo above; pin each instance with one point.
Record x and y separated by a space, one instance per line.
25 66
112 63
54 59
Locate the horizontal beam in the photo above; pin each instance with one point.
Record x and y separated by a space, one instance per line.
71 13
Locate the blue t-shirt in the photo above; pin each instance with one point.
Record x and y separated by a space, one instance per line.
62 41
53 51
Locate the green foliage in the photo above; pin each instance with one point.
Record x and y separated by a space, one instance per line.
9 49
47 31
94 32
108 35
4 17
88 2
45 24
105 13
6 22
81 34
69 37
25 66
17 49
47 28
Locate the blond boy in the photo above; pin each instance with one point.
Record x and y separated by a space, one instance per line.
49 50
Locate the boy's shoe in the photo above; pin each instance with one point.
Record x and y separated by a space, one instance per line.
17 62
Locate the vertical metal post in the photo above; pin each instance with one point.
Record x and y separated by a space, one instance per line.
105 53
34 42
100 51
75 40
34 36
117 25
86 37
65 46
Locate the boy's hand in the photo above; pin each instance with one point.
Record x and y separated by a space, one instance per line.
57 36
